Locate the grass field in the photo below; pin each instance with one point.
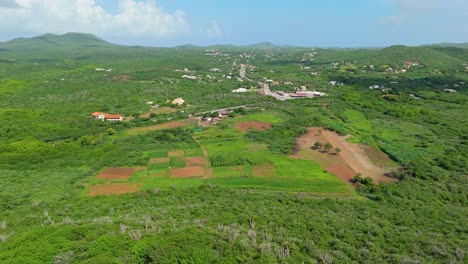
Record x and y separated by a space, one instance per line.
233 161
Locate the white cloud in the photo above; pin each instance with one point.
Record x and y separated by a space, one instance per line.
214 30
133 18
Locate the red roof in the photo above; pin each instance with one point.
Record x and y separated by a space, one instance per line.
109 116
96 114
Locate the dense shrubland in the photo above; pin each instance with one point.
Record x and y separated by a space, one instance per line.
50 147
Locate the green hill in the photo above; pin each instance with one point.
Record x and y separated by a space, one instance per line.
433 57
74 40
463 45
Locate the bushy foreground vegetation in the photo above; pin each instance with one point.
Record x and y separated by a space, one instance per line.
50 150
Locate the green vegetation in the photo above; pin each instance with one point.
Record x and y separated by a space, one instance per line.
260 205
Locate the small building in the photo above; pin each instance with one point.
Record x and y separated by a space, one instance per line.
110 117
299 95
178 101
107 117
190 77
98 115
240 90
333 83
275 82
450 90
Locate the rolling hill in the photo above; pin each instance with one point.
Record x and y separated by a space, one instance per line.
69 40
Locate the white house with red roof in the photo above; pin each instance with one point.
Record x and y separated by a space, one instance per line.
106 116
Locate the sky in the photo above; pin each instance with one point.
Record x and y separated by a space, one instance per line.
312 23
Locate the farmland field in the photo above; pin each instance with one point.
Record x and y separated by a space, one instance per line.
359 175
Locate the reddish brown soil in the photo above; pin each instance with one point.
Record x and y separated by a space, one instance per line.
178 153
139 130
187 172
113 188
121 78
245 126
265 170
118 173
197 161
158 160
353 158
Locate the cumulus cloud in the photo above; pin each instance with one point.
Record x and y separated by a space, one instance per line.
214 30
133 18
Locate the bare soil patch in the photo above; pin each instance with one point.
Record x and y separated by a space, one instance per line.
246 126
262 171
113 188
139 130
118 173
158 160
121 78
353 158
188 172
178 153
196 161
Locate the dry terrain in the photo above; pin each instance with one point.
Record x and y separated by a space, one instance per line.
113 188
246 126
353 158
118 173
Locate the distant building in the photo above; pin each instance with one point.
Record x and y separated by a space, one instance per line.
190 77
450 90
178 101
106 116
333 83
240 90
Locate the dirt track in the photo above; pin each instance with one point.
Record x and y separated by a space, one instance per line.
352 159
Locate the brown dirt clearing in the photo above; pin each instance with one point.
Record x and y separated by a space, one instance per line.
113 188
196 161
121 78
158 160
118 173
188 172
139 130
245 126
353 158
178 153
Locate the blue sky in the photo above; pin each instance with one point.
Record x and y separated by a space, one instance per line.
331 23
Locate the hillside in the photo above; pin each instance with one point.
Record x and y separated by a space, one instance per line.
463 45
354 175
47 41
397 55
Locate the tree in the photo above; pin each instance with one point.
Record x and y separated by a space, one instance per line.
317 145
337 150
328 147
110 131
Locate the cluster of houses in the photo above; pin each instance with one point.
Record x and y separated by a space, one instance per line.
207 121
107 117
